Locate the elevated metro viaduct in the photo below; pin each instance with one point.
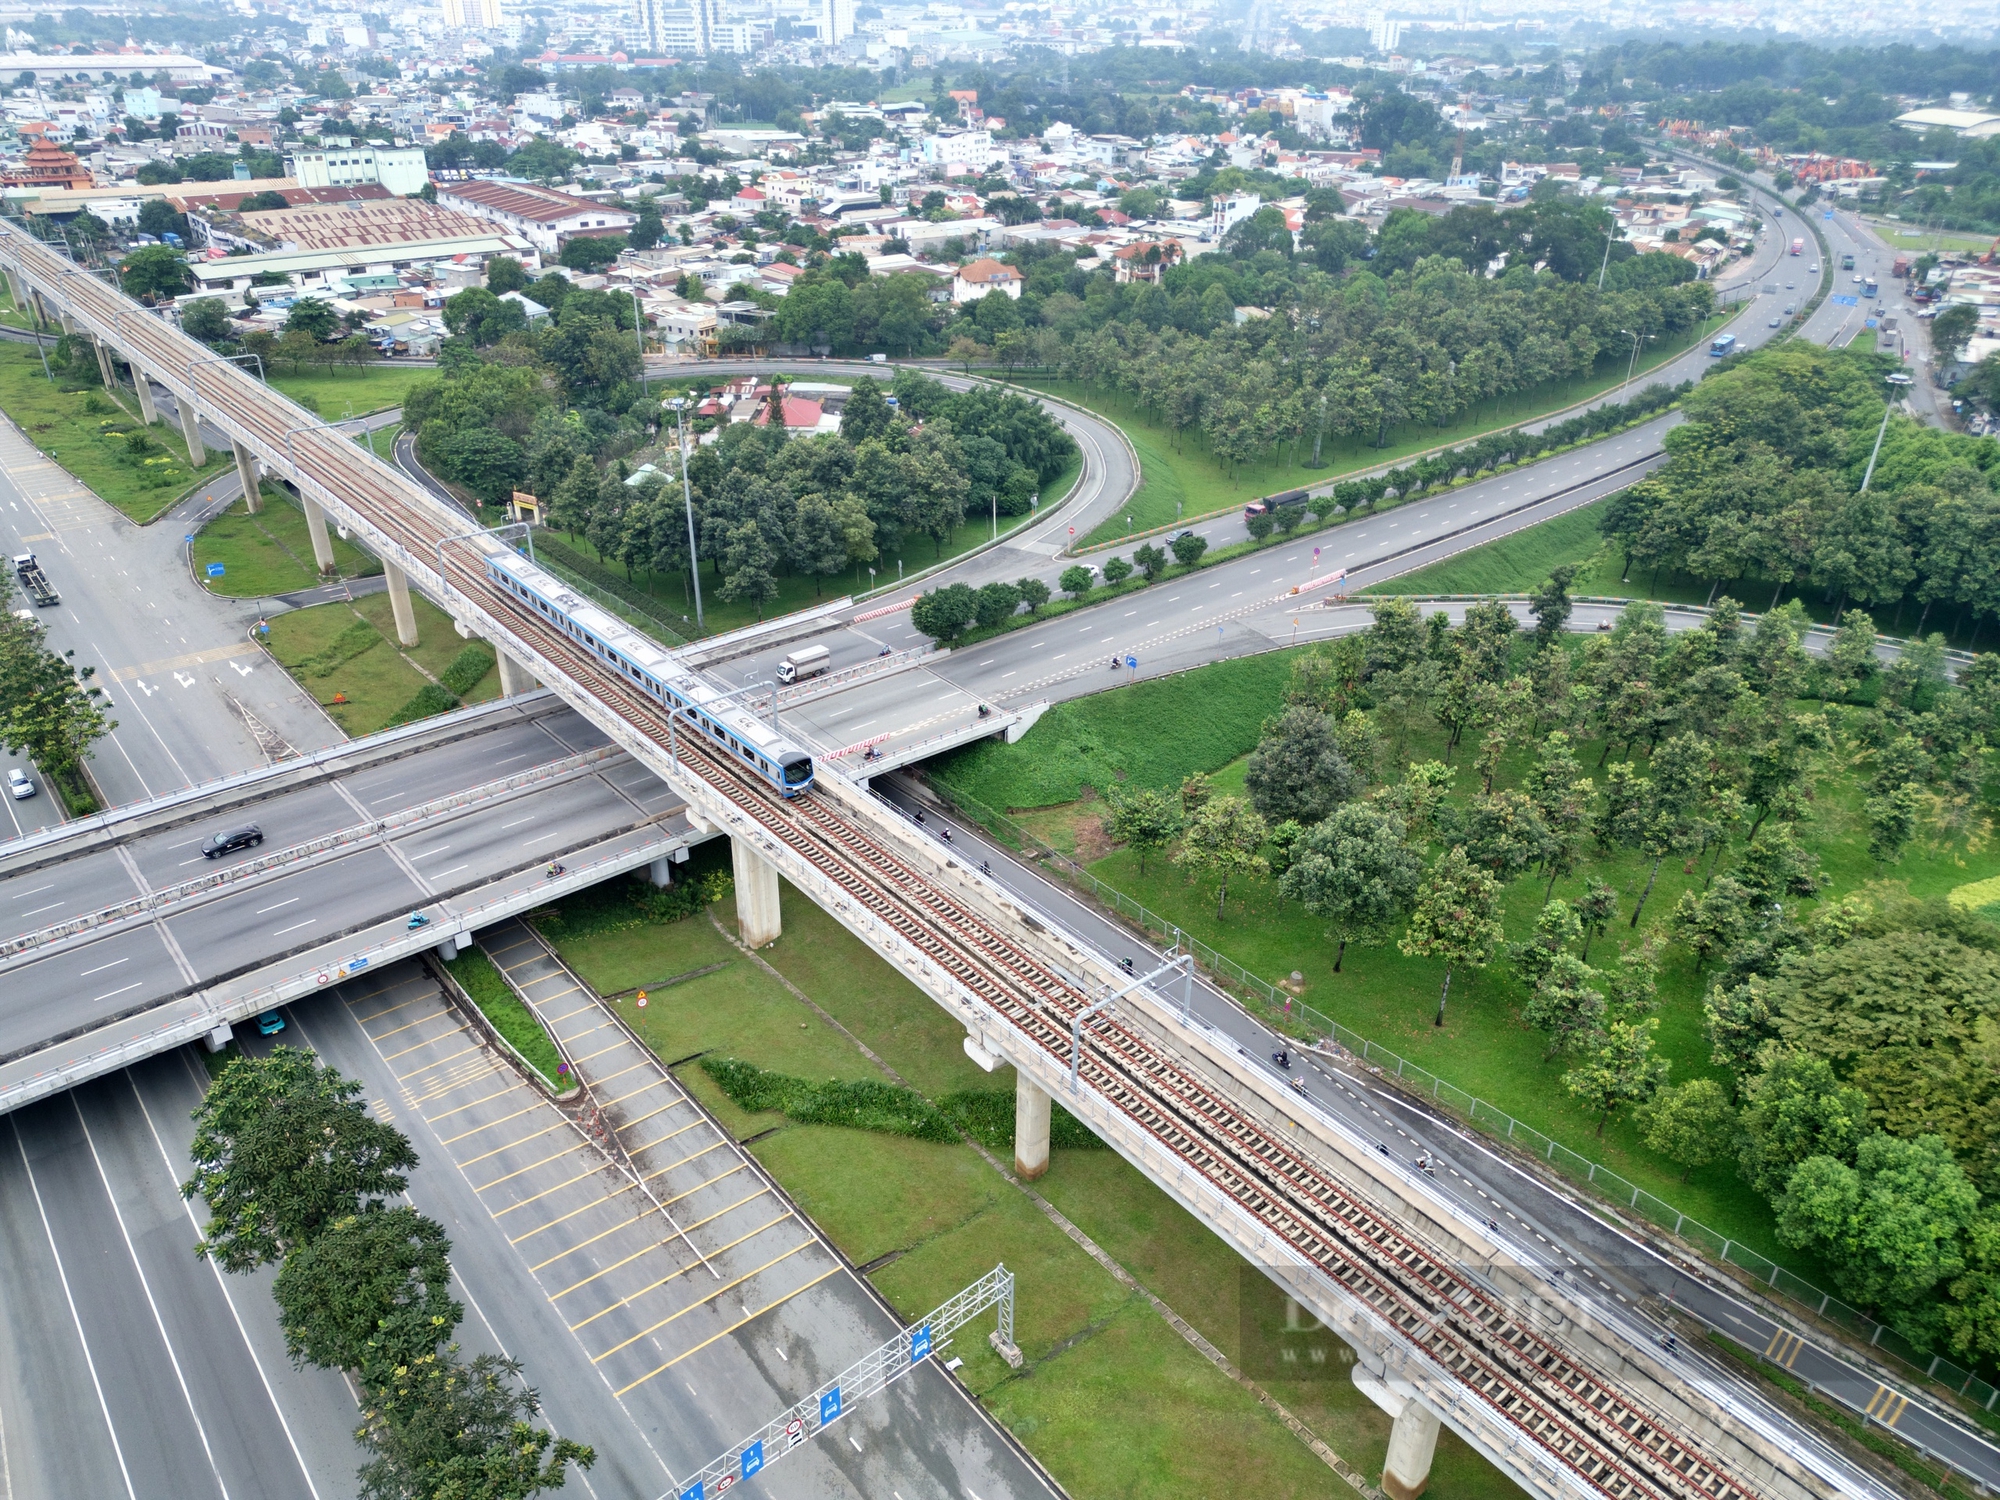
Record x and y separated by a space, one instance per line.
1461 1326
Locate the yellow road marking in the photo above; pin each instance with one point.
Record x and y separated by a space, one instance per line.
714 1292
698 1120
500 1093
502 1213
569 1150
672 1275
464 1080
476 1160
398 1030
650 1114
650 1247
527 1110
767 1307
565 1218
436 1062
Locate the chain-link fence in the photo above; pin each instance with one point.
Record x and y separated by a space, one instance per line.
1277 1007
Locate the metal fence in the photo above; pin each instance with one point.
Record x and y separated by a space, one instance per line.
1287 1012
873 1373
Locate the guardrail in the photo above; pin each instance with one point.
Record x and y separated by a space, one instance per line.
342 838
862 671
994 722
1293 1015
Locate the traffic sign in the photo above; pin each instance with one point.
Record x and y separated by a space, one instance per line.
829 1406
1072 531
753 1458
1868 322
920 1343
189 539
214 570
642 999
1132 663
1846 301
693 1492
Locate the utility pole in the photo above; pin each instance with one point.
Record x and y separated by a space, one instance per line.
679 406
1898 380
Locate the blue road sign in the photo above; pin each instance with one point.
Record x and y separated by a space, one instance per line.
1132 662
1828 216
692 1492
829 1406
920 1344
1844 301
214 570
189 539
1868 322
753 1458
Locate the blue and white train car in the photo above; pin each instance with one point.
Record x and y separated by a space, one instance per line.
730 728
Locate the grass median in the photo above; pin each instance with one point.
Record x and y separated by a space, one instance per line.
97 436
1112 1400
339 394
345 655
510 1016
268 553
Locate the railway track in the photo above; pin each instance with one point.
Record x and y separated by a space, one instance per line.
1604 1437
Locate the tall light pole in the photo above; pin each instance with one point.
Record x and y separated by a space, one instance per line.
639 330
1609 235
1898 380
1632 363
679 407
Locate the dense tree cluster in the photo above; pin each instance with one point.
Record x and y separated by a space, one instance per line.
1763 491
297 1173
50 709
769 502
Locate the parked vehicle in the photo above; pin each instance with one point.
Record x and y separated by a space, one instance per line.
808 661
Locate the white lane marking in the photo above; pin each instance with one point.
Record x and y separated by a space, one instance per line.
38 910
429 852
146 1286
32 890
286 902
452 871
62 1275
112 994
295 927
102 967
515 824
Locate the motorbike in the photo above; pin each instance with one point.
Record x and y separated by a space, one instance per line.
417 919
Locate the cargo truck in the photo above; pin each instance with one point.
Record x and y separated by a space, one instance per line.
34 582
809 661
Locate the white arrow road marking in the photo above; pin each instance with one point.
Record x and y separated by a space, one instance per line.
184 679
241 670
148 691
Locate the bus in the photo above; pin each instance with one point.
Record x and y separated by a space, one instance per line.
1868 287
1847 262
1722 347
1799 246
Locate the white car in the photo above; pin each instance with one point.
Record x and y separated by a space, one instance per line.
19 784
1814 270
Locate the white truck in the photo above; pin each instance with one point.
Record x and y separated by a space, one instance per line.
34 582
807 661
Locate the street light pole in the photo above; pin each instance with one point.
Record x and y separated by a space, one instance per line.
1898 380
679 405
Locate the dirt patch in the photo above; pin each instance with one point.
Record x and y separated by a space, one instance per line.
1092 842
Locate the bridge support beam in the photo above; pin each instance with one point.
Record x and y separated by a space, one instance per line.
399 602
1413 1440
148 410
1031 1128
661 871
191 430
757 917
516 679
322 544
105 368
246 470
219 1038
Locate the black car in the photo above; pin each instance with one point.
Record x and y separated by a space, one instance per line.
230 840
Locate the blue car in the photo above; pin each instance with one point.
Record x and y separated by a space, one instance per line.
270 1023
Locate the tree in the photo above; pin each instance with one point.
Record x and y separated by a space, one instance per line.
1795 1109
943 613
746 567
648 227
1076 580
996 603
1549 605
49 708
282 1148
1150 560
1689 1125
1222 839
1596 909
1561 795
1355 871
1972 1317
1567 1004
1711 921
1188 548
1034 593
1144 820
313 315
152 272
590 253
819 546
1457 918
1892 820
1556 927
160 218
1952 330
1622 1070
207 319
1297 770
372 1288
505 274
1890 1226
441 1428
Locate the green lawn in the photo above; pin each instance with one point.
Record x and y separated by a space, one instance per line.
268 553
350 392
795 593
1516 563
1916 237
88 433
1181 480
366 678
509 1014
1112 1400
1484 1047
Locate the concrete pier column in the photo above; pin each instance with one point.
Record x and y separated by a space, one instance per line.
322 545
757 918
1031 1128
1413 1441
41 308
399 602
516 679
246 470
107 371
661 871
148 409
191 430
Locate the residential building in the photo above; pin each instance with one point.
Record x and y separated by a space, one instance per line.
836 21
964 150
472 15
688 329
355 225
402 169
982 277
545 217
1145 260
1232 210
47 166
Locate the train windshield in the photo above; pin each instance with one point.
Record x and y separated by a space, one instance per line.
798 772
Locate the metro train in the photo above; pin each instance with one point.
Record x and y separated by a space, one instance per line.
730 728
